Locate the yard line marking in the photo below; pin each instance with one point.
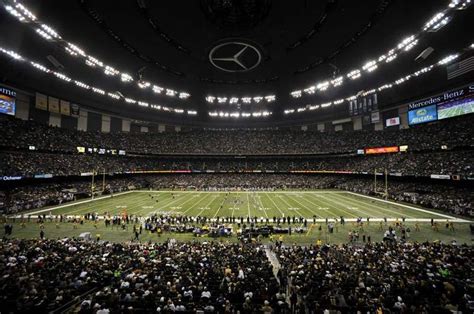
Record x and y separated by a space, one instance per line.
219 208
248 204
76 203
289 206
199 201
262 206
375 206
162 205
271 199
345 206
187 201
309 209
331 205
246 191
207 206
402 205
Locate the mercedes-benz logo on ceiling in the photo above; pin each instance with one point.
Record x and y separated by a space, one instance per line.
235 56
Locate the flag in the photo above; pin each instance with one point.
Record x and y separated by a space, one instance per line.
460 68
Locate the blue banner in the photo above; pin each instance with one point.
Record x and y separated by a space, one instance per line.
422 115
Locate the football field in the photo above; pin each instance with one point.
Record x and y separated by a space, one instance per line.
318 205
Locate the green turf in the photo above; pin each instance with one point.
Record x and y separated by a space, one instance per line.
61 230
321 204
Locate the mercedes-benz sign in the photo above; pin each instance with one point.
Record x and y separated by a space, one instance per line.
235 56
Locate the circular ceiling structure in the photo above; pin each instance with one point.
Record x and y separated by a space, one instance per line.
235 56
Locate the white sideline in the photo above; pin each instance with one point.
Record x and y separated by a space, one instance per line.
309 219
75 203
403 205
282 191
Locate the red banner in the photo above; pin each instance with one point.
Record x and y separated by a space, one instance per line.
381 150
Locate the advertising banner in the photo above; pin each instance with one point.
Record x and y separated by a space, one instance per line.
392 121
7 101
381 150
422 115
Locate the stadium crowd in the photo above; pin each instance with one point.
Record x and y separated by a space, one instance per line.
379 278
210 277
457 200
414 164
20 134
183 277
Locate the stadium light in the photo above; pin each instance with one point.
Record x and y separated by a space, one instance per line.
354 74
44 34
337 81
23 14
40 67
270 98
62 76
435 23
171 92
296 94
15 13
80 84
114 96
210 99
310 90
370 66
126 77
50 31
25 11
183 95
143 84
233 100
110 71
448 59
157 89
323 86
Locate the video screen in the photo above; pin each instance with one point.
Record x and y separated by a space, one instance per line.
455 108
422 115
7 105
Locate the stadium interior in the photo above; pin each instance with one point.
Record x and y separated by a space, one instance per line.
237 156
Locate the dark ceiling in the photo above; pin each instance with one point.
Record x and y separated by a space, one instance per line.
168 42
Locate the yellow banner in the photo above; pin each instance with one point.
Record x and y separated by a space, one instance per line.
65 107
53 104
41 101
